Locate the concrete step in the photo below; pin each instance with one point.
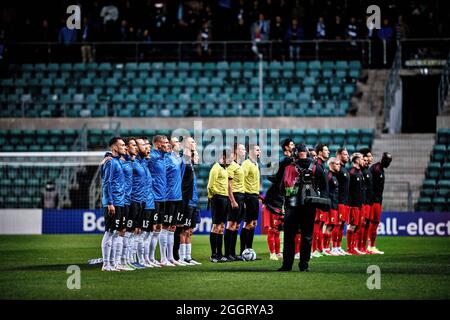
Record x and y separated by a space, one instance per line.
411 155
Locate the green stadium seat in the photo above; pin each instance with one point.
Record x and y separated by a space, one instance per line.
439 152
433 170
424 204
439 204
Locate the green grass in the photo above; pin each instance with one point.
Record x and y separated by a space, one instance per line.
34 267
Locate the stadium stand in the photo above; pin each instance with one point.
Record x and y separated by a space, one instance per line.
435 193
170 89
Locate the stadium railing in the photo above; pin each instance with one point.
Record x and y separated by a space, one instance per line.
32 52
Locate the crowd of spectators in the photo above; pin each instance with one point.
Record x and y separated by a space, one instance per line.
222 20
203 21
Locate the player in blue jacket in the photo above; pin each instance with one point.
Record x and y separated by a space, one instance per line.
113 199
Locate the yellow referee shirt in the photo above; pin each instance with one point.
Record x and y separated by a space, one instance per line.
251 176
218 181
236 174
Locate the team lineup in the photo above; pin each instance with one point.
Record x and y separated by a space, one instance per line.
149 196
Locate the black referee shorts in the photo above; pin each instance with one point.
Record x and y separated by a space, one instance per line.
237 215
251 207
219 209
171 212
114 222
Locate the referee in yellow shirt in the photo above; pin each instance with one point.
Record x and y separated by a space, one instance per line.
251 188
236 194
218 198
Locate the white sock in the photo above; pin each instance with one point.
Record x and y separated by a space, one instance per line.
140 247
188 251
119 249
182 251
153 244
170 241
163 244
112 256
147 239
130 248
135 248
106 247
126 245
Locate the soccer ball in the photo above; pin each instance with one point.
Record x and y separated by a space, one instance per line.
249 254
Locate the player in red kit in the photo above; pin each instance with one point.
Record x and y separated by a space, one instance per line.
343 209
368 201
355 202
321 216
378 186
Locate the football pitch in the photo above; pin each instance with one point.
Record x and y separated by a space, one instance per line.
35 267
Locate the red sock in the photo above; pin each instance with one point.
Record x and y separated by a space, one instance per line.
349 240
335 237
297 243
326 240
355 244
320 240
341 235
271 241
277 242
315 241
365 236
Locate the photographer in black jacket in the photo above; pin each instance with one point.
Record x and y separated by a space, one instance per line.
305 188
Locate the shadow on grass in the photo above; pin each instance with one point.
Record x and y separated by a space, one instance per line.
53 267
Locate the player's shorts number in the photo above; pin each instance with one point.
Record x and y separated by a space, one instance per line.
180 216
145 224
129 223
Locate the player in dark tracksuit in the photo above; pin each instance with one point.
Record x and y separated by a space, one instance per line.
158 171
321 216
355 201
333 192
343 208
378 177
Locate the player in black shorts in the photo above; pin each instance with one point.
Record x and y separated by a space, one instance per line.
218 200
113 200
185 214
158 172
251 187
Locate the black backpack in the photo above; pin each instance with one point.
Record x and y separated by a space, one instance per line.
308 191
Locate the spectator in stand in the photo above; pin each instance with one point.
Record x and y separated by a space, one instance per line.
261 29
204 37
386 33
67 36
293 34
352 31
277 35
337 31
320 29
87 35
401 29
124 31
241 31
110 14
44 33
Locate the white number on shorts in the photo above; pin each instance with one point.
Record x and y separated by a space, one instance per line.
129 223
145 224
